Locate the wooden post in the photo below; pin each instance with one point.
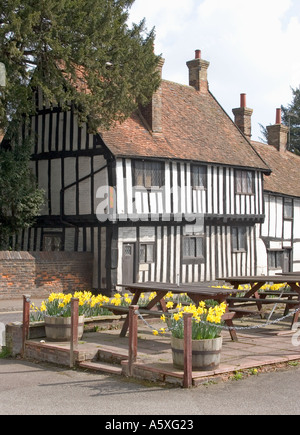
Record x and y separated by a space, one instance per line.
187 352
74 329
133 329
26 320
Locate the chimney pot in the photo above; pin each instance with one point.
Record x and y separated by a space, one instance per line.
243 100
278 116
198 54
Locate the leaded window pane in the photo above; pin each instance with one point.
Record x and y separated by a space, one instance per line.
288 209
193 247
238 181
150 253
199 176
275 259
142 253
148 174
239 239
249 182
199 247
139 173
244 182
147 253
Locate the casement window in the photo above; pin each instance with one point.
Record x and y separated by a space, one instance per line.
52 242
193 249
199 176
288 208
244 182
146 253
148 174
275 259
238 239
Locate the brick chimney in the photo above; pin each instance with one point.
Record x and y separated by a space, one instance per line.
152 113
242 117
198 72
278 133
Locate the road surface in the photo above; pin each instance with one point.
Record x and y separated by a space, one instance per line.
36 389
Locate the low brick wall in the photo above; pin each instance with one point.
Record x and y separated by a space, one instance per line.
40 273
17 274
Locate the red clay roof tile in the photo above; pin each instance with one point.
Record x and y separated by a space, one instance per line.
195 128
285 166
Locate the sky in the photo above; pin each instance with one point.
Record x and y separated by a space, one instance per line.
252 47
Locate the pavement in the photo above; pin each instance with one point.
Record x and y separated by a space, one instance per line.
258 348
42 389
258 345
16 304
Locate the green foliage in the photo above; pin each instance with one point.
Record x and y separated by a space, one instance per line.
81 53
20 199
291 118
4 353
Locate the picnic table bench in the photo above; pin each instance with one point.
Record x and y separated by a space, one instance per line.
255 296
196 292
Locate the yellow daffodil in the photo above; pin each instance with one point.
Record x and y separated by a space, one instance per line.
152 296
176 316
169 295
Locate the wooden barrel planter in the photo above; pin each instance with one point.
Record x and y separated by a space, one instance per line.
206 354
59 328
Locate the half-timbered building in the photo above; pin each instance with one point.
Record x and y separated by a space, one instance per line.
278 237
173 194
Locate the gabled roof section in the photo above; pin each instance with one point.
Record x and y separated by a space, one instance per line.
194 128
285 166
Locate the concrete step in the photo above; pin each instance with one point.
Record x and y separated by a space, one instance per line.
101 367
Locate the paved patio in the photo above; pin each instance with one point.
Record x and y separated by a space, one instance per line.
256 347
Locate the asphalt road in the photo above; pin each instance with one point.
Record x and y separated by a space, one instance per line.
10 317
41 389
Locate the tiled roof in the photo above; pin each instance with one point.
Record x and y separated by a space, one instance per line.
285 166
195 128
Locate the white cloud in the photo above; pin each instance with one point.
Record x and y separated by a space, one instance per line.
252 47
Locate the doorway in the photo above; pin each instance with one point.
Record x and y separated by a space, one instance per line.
128 263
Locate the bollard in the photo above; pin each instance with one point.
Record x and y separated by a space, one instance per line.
26 320
74 329
187 351
133 330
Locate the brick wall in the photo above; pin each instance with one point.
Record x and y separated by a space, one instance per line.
40 273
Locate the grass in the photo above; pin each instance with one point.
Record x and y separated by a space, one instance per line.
4 353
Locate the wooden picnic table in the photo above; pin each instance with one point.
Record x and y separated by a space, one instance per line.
257 298
196 292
